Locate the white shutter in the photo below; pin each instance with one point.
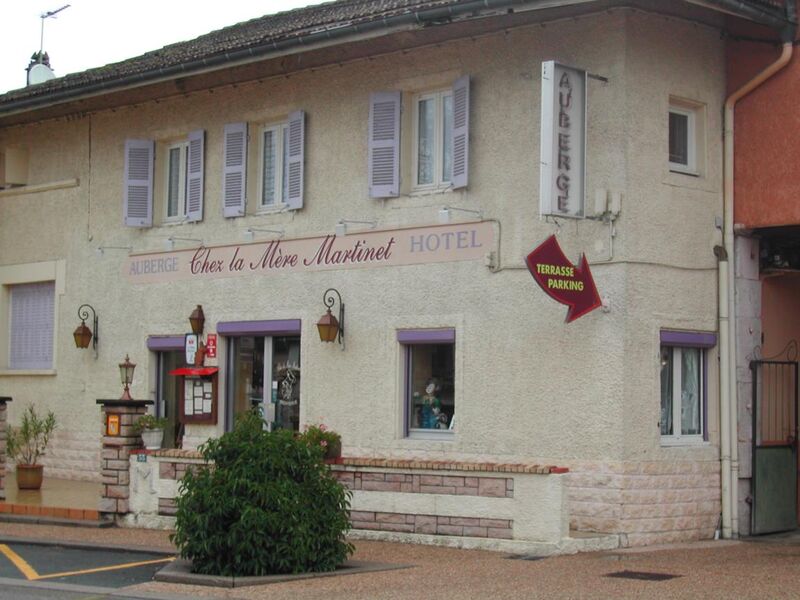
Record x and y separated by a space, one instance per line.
31 331
234 170
384 144
137 208
194 176
460 142
294 157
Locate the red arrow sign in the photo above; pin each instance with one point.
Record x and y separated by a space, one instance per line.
562 280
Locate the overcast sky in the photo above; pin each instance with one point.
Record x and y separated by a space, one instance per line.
92 33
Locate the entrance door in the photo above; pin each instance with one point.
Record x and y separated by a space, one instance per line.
264 373
775 465
167 394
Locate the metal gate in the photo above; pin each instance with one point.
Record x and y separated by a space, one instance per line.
775 393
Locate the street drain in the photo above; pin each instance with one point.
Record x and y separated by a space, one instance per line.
642 575
525 557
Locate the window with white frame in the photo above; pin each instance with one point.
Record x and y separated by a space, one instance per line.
686 148
274 176
31 325
682 393
177 159
429 390
433 147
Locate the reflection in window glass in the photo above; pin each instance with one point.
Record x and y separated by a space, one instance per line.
425 154
268 175
431 389
666 391
174 182
682 392
678 138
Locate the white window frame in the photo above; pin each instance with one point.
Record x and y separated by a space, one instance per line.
183 180
280 131
690 168
677 438
439 183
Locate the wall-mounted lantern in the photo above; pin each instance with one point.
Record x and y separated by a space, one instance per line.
126 377
331 328
197 319
83 335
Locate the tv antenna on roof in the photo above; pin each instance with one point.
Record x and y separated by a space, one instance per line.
47 15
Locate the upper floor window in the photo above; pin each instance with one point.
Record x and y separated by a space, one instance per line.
274 176
181 170
276 154
439 146
177 157
686 137
433 128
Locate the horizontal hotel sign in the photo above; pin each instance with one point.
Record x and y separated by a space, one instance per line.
421 245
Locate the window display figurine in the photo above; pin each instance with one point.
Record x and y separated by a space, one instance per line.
431 407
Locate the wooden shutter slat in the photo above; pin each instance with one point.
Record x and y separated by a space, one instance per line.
295 157
137 209
194 176
460 142
384 145
234 171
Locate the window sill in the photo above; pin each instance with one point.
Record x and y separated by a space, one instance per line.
441 435
41 187
271 210
681 170
430 191
684 443
28 372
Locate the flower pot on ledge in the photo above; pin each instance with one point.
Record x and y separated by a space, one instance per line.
152 438
29 477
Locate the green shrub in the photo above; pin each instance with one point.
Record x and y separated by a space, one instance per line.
264 503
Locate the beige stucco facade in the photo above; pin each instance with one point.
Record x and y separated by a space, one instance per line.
529 388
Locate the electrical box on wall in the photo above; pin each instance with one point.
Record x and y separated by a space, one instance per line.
13 167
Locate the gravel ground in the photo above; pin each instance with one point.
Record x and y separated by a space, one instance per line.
704 570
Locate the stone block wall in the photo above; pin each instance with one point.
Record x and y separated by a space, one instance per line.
646 503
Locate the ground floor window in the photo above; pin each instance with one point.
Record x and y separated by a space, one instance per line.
429 395
683 386
264 373
31 325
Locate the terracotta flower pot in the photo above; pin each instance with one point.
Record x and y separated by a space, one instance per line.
29 477
333 450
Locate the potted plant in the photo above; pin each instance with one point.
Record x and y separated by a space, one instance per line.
26 443
152 430
322 437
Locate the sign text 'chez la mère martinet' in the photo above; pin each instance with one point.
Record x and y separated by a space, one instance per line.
421 245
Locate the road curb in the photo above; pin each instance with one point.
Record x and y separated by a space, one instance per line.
9 539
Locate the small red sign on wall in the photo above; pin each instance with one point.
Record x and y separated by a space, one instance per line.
561 280
211 345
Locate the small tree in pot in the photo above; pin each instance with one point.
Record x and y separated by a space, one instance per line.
26 443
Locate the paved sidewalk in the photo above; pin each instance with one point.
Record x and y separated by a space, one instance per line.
703 570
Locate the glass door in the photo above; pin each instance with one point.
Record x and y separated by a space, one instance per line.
167 396
264 374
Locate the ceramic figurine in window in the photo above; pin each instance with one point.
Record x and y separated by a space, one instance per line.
431 406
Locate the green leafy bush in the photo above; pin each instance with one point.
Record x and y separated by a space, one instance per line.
264 503
26 443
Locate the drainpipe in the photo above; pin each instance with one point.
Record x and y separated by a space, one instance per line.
727 300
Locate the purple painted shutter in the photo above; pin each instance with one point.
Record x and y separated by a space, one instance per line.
384 144
137 210
234 170
31 331
294 156
460 132
194 176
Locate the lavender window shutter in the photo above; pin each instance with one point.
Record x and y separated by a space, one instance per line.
31 331
460 132
384 144
234 170
137 208
194 176
295 156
